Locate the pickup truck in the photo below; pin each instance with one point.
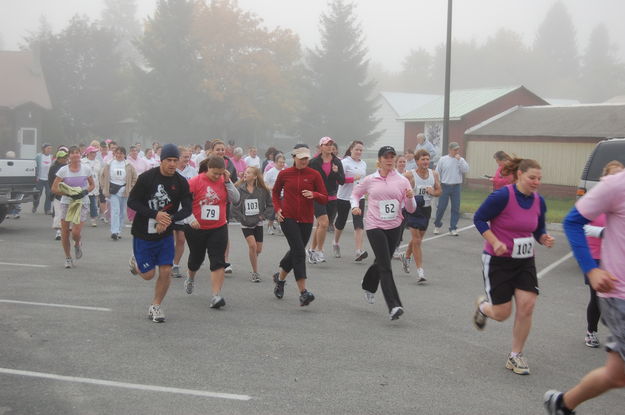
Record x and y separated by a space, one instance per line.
17 183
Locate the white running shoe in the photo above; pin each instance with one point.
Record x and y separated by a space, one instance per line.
228 269
270 230
255 277
369 297
57 235
94 223
217 301
188 285
436 231
69 263
396 312
421 276
453 232
405 262
156 314
396 254
319 257
336 250
132 263
310 256
78 250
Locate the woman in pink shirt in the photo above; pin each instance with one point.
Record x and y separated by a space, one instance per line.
499 181
388 191
593 231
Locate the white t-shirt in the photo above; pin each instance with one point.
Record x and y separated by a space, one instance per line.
352 168
78 178
252 161
117 174
270 177
95 166
422 184
189 172
44 167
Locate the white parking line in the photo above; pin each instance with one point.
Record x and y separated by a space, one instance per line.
14 264
150 388
440 236
555 264
79 307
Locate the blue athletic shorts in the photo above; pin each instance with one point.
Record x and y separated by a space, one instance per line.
150 254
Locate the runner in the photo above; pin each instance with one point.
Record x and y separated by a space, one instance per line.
185 170
218 148
331 170
60 161
295 212
270 179
499 181
388 191
427 186
355 169
95 167
593 231
212 190
251 210
117 180
73 182
607 197
517 217
400 166
156 197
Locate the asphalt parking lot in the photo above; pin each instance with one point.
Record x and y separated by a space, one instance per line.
78 341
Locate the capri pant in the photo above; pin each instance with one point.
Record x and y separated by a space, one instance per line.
343 209
297 235
207 241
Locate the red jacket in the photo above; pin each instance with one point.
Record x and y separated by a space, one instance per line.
294 205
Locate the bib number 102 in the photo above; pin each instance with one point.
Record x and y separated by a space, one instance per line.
523 248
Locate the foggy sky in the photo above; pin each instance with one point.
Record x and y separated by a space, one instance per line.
392 27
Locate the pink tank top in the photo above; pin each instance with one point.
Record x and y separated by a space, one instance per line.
513 225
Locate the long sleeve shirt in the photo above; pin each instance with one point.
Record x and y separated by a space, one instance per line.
386 197
451 170
294 205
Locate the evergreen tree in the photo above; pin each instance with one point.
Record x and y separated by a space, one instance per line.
603 76
339 99
172 106
120 17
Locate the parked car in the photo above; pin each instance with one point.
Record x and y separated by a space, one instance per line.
604 152
17 183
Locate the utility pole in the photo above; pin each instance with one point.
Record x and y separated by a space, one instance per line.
447 81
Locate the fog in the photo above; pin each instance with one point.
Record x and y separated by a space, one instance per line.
392 28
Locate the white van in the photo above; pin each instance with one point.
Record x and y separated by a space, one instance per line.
604 152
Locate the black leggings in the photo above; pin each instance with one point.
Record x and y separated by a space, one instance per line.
592 311
203 241
343 209
297 235
383 243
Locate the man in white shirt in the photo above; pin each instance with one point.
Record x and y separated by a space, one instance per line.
451 169
424 144
252 160
44 161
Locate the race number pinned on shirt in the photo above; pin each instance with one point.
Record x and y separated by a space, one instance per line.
152 226
523 247
421 191
210 212
251 207
119 173
388 209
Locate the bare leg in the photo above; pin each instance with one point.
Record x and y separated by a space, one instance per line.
415 246
359 238
65 238
180 241
322 229
252 252
524 301
337 235
217 280
499 312
301 284
162 283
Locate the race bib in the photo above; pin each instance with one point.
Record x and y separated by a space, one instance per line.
210 212
421 191
118 173
152 225
523 248
251 207
388 209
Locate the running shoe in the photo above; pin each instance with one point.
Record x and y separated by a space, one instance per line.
405 262
420 276
156 314
369 297
553 403
119 236
217 302
453 232
592 340
255 277
360 255
175 272
278 290
436 231
310 256
336 250
133 265
270 230
188 285
479 318
305 298
114 236
94 223
518 364
69 263
78 250
57 235
228 268
319 257
279 231
34 210
396 312
396 254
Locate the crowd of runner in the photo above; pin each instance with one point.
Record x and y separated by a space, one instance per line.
177 197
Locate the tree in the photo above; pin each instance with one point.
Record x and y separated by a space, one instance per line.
120 17
602 75
339 98
251 73
84 77
171 102
556 61
416 73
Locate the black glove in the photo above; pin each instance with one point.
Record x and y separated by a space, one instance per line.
79 195
419 200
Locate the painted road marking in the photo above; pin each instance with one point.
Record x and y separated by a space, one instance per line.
125 385
79 307
14 264
440 236
554 265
